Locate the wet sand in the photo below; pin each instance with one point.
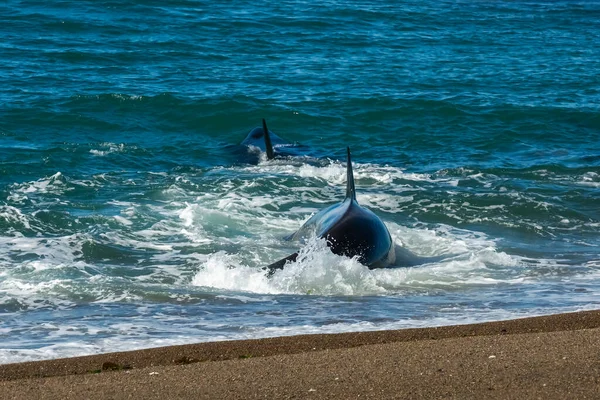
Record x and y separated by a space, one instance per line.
550 357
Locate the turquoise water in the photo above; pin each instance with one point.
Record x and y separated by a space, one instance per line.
130 217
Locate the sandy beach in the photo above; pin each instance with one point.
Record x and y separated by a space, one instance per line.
542 357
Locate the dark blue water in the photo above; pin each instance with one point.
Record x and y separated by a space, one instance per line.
130 216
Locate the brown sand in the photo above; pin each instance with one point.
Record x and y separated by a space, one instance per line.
552 357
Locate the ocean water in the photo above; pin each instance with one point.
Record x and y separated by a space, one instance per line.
130 217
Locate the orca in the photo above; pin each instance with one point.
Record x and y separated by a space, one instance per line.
350 230
275 148
261 138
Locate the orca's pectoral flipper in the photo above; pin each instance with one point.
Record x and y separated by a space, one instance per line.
406 258
279 264
350 191
268 144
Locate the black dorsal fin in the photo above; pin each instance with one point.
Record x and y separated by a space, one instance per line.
350 191
268 144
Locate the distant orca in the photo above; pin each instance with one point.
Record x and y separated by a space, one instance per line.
350 230
261 138
271 144
266 141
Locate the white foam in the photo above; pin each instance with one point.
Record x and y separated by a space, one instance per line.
14 215
108 148
334 172
127 242
225 272
591 179
123 220
132 337
318 271
52 184
54 250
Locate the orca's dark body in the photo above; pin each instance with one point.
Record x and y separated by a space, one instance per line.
274 146
350 230
261 138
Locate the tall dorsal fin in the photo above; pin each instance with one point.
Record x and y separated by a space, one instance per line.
268 144
350 191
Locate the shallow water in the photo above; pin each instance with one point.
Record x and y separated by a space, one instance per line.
131 218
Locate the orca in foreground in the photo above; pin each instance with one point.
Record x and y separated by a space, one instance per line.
350 230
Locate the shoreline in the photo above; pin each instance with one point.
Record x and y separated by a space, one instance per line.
562 335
